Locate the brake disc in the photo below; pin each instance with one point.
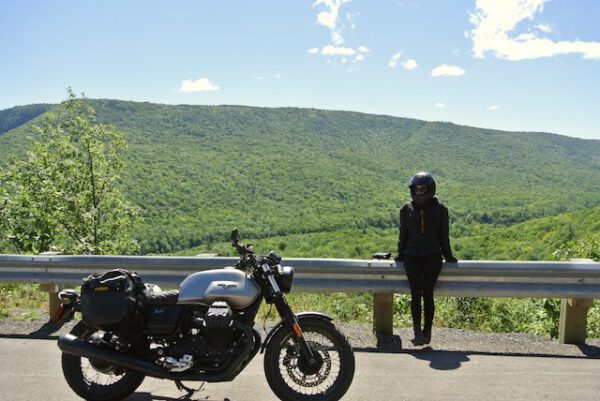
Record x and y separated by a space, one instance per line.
296 368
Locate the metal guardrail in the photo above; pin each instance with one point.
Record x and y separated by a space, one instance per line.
575 280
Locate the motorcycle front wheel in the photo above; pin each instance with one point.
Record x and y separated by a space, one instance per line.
96 380
292 378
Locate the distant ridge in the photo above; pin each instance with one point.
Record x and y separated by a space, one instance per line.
198 171
19 115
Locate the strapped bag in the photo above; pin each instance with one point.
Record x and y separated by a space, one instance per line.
112 300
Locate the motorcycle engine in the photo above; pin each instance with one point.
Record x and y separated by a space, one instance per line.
207 344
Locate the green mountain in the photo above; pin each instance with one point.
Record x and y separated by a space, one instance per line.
17 116
536 239
198 171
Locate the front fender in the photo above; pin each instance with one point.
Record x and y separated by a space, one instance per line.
300 316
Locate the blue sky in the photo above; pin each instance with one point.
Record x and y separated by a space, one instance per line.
522 65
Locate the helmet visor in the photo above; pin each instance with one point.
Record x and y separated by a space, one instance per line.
420 189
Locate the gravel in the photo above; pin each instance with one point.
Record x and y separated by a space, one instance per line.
363 340
468 341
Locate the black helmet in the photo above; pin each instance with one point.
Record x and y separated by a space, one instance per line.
422 178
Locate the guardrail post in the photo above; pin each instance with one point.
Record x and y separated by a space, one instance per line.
383 313
573 320
572 327
53 301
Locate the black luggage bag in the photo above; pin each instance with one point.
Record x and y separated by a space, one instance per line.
112 300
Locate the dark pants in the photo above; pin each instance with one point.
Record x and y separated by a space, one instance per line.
422 273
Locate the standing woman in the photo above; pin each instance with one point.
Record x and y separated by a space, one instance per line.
422 242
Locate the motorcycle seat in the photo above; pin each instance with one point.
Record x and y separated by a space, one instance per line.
164 298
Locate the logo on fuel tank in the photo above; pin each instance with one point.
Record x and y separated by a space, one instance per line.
227 285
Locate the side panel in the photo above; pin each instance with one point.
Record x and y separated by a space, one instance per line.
163 319
229 285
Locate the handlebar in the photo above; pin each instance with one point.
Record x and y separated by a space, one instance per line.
241 248
246 251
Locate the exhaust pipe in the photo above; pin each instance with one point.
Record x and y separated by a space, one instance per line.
75 346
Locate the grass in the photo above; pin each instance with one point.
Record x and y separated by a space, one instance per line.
537 315
356 308
22 301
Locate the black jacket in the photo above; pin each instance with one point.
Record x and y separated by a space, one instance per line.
424 230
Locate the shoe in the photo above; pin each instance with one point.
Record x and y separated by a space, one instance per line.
419 339
427 334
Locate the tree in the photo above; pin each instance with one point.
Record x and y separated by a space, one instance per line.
65 195
587 247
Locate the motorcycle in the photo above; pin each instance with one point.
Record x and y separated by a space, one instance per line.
202 332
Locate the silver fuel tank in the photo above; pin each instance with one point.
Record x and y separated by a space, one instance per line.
229 285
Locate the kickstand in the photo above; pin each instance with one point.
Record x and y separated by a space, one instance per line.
190 391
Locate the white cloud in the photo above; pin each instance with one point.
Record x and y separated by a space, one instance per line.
363 49
440 105
199 85
351 17
360 57
337 38
526 36
493 107
445 70
330 17
394 61
410 64
494 25
330 50
544 28
344 61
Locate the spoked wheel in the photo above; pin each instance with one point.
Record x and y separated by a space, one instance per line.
96 380
293 378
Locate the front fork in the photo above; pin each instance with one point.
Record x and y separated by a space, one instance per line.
288 316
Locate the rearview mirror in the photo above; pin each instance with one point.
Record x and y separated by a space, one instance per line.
234 235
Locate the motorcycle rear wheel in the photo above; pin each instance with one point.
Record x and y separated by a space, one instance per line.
292 379
95 380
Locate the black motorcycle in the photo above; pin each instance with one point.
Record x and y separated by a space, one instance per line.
202 332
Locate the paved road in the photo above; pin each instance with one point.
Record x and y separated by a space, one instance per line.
30 371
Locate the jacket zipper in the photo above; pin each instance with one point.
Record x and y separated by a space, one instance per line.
422 222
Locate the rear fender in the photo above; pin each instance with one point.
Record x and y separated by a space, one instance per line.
70 302
301 316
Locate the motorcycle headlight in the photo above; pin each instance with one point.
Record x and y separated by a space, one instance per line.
285 277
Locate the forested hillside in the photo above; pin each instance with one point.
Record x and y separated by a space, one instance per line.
17 116
198 171
544 238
